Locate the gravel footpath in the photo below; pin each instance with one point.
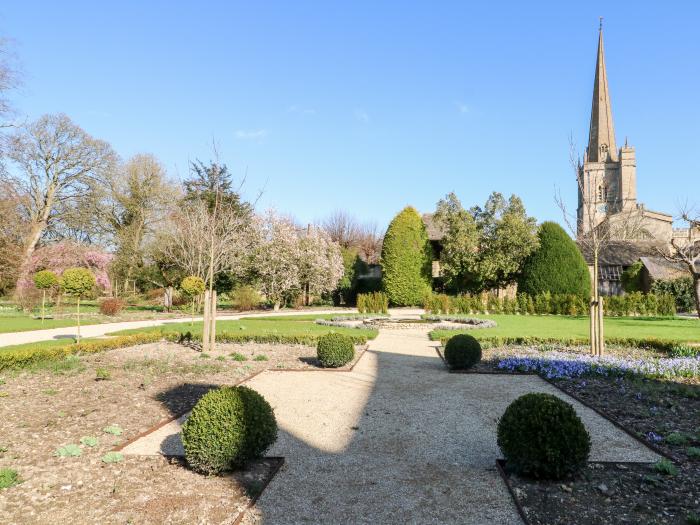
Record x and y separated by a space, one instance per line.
400 440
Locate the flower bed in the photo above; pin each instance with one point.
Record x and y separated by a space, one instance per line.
558 365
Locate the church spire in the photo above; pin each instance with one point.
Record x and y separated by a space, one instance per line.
601 140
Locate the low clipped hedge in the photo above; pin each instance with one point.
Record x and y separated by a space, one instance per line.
227 427
671 348
462 351
335 350
24 357
542 437
271 338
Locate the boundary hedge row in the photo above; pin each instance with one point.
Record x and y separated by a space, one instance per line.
23 357
549 304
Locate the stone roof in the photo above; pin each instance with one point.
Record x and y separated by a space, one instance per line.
660 268
624 253
435 231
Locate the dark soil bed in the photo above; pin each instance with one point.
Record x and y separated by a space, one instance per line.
664 413
43 410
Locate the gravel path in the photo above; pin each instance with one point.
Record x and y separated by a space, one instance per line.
397 440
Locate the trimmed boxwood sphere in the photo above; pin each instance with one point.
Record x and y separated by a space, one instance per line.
334 350
227 427
541 436
462 351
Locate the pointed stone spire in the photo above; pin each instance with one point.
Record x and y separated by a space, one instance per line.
601 139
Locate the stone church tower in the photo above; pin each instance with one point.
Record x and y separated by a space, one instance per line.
608 176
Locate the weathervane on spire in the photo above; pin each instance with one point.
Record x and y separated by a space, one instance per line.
601 23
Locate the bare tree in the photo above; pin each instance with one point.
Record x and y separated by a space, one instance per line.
59 162
594 237
343 228
686 250
13 231
9 80
369 242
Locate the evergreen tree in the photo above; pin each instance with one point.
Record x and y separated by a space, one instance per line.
210 180
557 266
406 259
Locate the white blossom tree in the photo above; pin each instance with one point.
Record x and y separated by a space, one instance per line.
276 261
320 263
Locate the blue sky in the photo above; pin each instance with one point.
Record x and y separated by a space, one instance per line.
370 106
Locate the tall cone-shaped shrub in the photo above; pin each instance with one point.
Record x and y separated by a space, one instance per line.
557 266
406 261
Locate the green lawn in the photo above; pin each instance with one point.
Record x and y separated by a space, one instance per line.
566 327
297 328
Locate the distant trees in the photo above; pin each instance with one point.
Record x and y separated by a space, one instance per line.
406 259
137 199
556 266
484 248
58 162
350 234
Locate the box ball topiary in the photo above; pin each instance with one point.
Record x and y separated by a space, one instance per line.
334 350
462 351
227 427
542 437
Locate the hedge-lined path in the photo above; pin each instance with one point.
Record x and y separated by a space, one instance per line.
397 440
99 330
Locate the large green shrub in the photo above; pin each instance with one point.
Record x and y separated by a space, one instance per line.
556 266
462 351
406 259
227 427
542 436
334 350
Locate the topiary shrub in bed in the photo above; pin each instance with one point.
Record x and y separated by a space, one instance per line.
227 427
334 350
542 437
462 351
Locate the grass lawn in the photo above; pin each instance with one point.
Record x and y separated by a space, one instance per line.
296 328
567 327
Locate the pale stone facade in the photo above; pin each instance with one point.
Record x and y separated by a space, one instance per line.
607 194
608 175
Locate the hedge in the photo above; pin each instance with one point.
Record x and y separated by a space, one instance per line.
635 303
372 303
23 357
234 337
671 348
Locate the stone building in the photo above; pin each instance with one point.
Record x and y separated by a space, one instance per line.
607 195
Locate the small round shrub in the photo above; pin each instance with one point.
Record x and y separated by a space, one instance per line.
227 427
78 281
462 351
334 350
45 279
111 306
193 285
542 437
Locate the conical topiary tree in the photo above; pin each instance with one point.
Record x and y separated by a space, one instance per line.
557 266
406 261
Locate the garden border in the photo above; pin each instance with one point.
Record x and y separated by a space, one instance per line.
650 446
279 463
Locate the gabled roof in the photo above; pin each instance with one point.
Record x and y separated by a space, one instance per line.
624 253
434 229
660 268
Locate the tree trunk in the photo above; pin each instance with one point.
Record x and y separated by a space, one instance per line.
276 306
78 340
168 298
206 325
696 282
212 314
43 303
